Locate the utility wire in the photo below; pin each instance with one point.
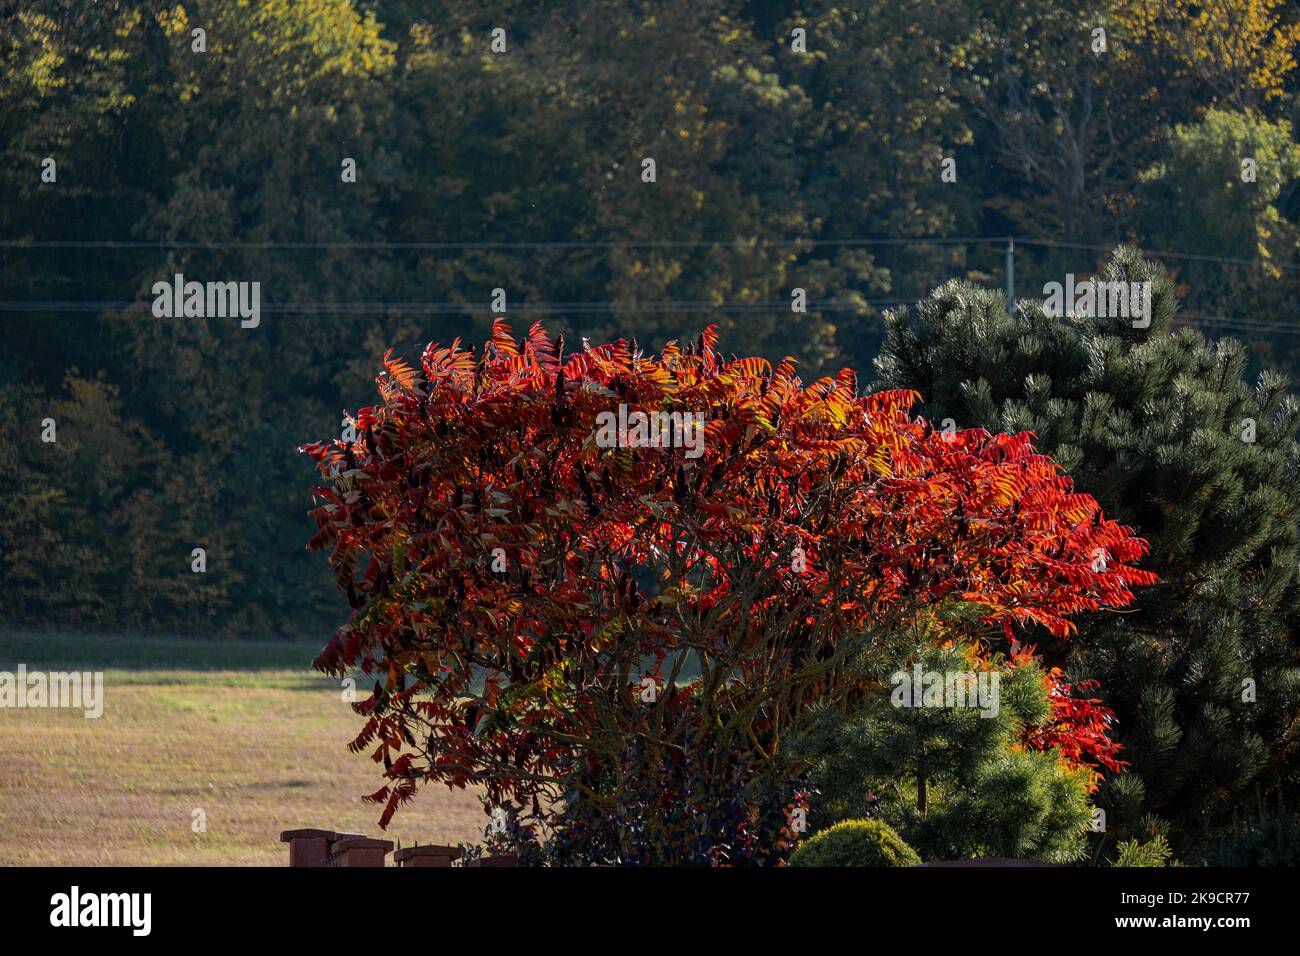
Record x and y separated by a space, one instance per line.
462 308
569 244
590 308
1161 253
167 244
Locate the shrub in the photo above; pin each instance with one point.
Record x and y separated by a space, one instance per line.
618 638
963 781
1155 852
855 843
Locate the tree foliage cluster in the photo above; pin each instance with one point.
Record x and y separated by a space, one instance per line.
636 634
1160 425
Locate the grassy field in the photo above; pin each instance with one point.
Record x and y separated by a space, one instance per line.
239 729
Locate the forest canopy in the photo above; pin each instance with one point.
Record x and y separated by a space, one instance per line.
395 173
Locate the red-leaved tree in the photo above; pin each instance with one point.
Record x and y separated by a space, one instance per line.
614 638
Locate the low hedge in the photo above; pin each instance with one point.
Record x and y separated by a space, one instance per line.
855 843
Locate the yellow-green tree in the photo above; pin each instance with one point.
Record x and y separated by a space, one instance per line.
1240 51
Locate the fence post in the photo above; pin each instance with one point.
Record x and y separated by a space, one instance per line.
307 847
428 855
361 851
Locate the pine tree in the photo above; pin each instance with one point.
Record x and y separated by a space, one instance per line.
954 781
1159 425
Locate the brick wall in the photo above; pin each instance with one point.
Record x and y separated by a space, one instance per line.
311 847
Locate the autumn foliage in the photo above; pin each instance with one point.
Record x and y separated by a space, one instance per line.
515 584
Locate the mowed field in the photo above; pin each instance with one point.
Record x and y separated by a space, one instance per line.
241 730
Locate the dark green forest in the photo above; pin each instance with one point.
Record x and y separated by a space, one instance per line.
864 153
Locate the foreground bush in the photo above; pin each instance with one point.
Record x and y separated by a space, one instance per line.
617 637
1010 777
855 843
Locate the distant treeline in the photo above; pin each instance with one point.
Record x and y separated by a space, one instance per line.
381 168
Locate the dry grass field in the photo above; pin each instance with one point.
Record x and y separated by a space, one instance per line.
241 730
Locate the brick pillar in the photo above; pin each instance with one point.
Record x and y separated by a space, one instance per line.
335 838
308 847
360 851
429 855
503 860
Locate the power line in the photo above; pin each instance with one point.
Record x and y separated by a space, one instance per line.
164 245
590 308
1248 325
1231 323
1160 253
461 308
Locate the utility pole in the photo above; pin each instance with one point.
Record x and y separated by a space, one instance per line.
1011 275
